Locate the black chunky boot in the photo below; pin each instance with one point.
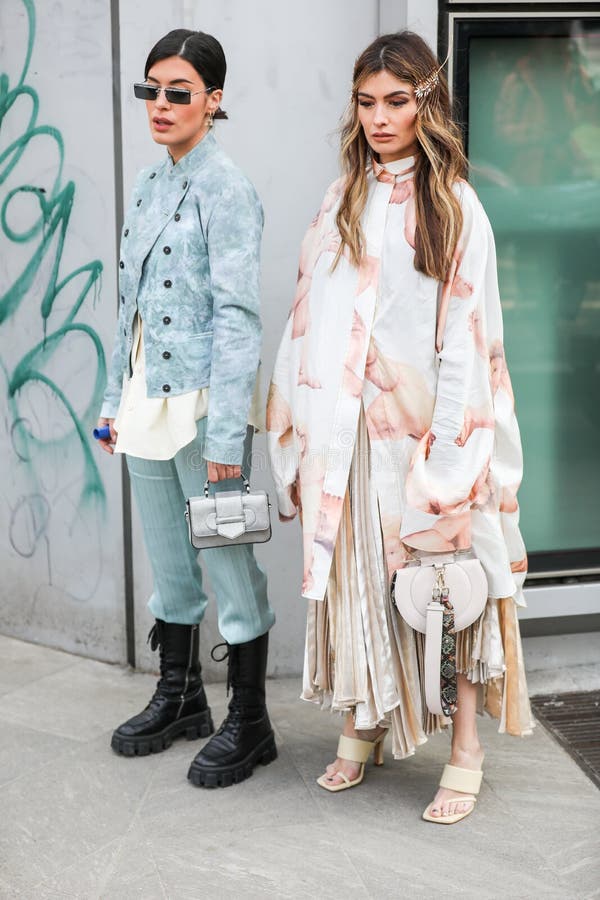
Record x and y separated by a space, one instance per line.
178 705
245 738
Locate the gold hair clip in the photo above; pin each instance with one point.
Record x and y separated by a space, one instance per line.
424 88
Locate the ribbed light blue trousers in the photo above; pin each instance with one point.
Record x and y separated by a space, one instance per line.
160 488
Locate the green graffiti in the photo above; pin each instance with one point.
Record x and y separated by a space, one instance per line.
46 240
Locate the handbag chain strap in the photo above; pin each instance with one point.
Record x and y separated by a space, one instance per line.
448 691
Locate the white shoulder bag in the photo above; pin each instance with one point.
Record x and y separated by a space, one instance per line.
439 595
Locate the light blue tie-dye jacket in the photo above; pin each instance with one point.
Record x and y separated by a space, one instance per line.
190 257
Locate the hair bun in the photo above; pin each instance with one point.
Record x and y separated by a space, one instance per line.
220 114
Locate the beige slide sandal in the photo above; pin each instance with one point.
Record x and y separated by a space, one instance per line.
354 750
456 779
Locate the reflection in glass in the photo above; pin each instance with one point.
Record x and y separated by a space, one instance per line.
534 146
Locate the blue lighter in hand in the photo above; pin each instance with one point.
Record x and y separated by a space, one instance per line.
102 434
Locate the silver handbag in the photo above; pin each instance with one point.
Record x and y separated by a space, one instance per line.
228 518
439 595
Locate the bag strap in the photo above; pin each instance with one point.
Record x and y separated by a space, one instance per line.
433 655
440 650
242 478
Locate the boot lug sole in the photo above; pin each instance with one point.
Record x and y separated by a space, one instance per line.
193 727
263 754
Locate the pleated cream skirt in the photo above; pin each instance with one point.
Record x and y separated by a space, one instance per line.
361 656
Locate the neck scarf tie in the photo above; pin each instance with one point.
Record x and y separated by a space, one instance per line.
402 181
382 174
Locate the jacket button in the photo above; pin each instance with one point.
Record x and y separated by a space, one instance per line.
166 388
168 283
166 355
122 299
126 232
166 250
153 175
125 331
167 320
185 184
121 264
139 203
177 217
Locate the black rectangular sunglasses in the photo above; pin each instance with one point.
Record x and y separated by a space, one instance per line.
145 91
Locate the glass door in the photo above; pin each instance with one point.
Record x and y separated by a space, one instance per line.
529 90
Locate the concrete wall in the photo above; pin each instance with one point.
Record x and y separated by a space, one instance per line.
61 535
60 515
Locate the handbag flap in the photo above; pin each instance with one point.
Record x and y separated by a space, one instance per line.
230 520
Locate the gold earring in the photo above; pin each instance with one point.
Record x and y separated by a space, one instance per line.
211 120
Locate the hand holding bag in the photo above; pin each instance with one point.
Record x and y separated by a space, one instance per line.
228 518
439 595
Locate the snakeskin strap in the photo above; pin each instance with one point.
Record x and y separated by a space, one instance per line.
448 690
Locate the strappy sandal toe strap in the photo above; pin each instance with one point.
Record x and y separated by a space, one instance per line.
453 817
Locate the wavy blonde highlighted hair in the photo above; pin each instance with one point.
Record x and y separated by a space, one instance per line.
439 164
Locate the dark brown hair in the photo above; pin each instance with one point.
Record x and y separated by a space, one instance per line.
201 50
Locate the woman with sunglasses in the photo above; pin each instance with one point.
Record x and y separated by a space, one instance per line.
181 404
392 429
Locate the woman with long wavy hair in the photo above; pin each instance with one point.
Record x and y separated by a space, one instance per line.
392 428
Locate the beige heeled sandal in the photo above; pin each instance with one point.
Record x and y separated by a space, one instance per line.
466 781
354 750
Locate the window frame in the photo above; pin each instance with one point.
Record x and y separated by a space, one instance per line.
458 22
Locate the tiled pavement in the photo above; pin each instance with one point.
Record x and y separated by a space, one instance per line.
77 821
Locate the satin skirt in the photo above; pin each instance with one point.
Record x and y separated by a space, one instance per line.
362 657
